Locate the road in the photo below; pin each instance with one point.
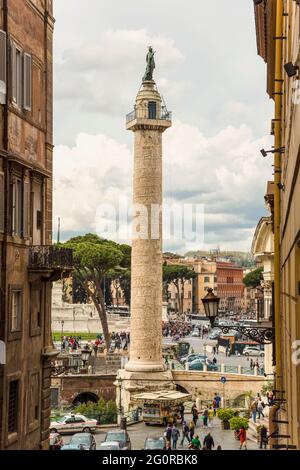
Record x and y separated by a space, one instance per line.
139 432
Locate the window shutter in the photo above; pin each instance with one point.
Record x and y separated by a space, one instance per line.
27 80
2 67
13 52
1 202
26 196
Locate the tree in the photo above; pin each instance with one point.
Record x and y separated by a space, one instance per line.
178 275
93 259
254 278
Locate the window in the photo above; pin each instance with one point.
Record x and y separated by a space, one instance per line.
16 311
230 280
13 407
21 65
2 67
152 109
17 207
206 279
20 207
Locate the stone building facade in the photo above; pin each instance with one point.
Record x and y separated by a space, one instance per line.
28 263
278 32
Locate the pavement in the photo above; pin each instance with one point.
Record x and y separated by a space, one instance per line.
139 432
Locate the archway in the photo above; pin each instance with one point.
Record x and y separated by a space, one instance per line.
85 397
181 389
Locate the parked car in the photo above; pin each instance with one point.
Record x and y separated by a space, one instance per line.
214 334
196 333
111 445
87 440
72 447
253 351
192 357
198 364
120 436
154 443
72 423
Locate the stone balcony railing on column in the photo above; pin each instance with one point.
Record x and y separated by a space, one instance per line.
50 261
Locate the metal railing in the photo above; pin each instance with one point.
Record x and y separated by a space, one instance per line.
163 115
50 257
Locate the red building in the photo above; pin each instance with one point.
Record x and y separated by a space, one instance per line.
230 286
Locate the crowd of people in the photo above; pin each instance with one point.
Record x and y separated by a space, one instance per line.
119 341
176 329
186 432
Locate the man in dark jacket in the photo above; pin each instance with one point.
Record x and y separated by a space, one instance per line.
208 442
263 437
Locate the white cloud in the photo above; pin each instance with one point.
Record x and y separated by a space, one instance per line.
225 173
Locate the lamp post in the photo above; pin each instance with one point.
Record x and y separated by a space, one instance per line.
260 334
62 334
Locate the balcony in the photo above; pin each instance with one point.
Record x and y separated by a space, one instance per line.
50 261
145 113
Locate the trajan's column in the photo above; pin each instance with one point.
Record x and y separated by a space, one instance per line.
146 369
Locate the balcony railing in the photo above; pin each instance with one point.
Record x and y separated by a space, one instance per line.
50 257
163 115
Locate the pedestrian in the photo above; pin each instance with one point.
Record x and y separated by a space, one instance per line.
196 443
216 403
243 438
215 360
214 350
219 448
185 432
192 429
205 417
251 364
253 409
175 436
208 442
263 437
260 408
195 413
168 433
181 412
270 398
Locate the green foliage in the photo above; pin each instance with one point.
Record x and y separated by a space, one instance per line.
225 414
254 278
106 412
269 386
236 423
174 273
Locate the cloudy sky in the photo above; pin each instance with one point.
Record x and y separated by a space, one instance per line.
210 76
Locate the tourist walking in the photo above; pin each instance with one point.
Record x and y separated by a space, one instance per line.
175 436
205 417
263 437
196 444
216 403
168 433
181 412
185 432
192 429
260 408
208 442
253 409
195 414
243 438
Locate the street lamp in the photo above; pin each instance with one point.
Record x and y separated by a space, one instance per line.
262 335
62 334
211 306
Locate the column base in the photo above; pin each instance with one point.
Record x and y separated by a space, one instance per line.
131 383
138 366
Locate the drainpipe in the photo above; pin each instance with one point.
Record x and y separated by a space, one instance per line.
278 87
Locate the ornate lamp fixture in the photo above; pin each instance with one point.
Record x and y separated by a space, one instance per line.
260 334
